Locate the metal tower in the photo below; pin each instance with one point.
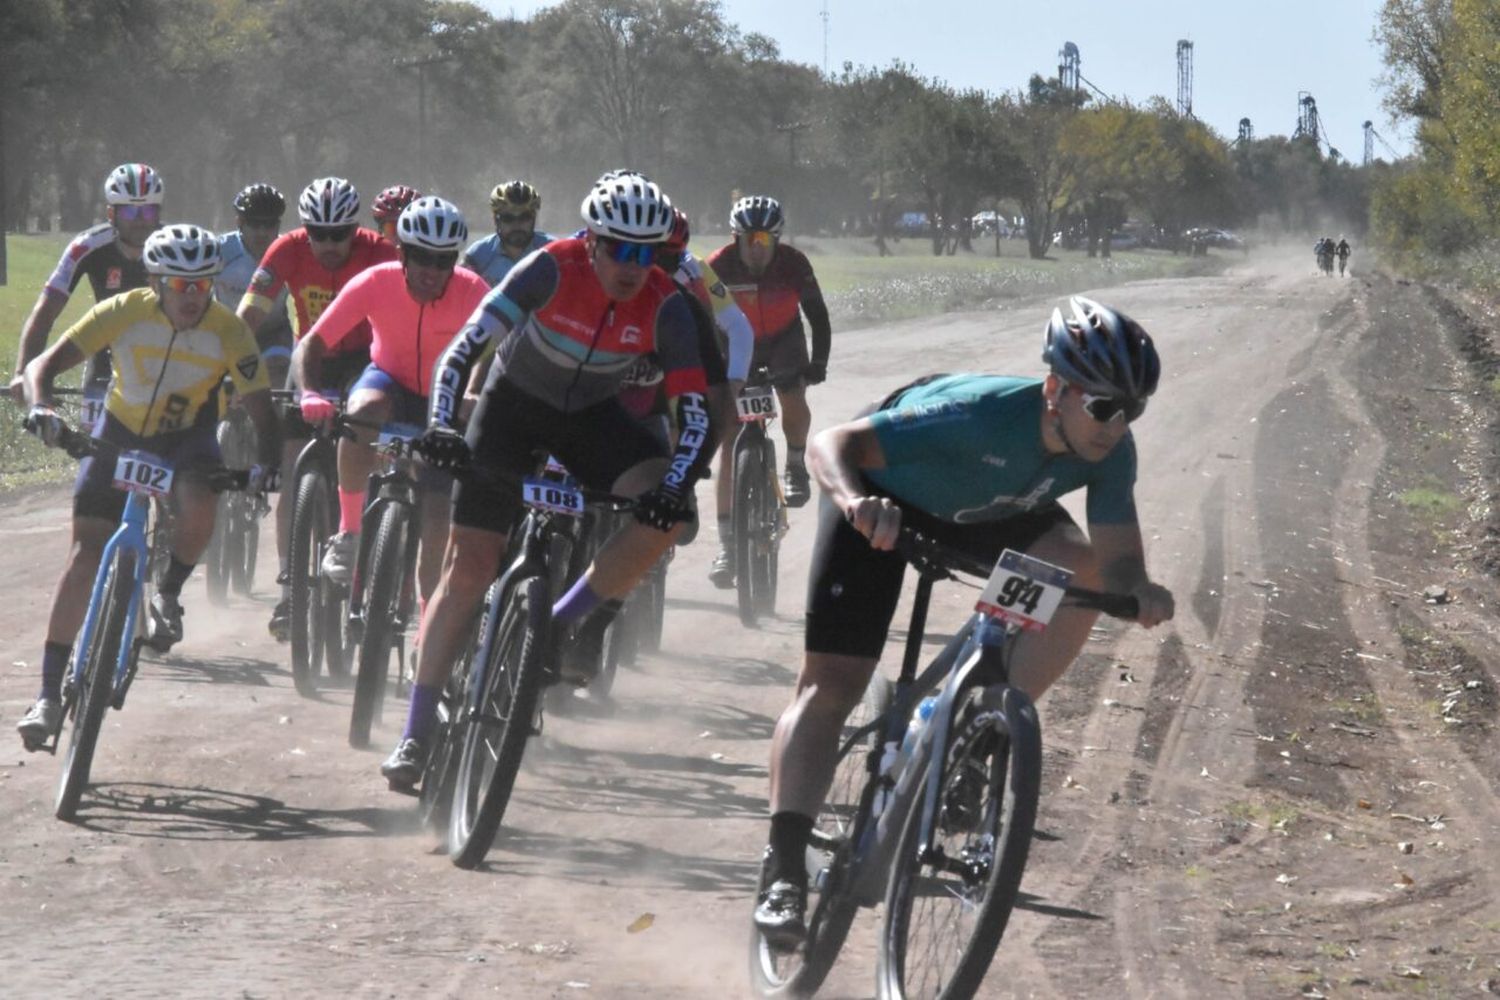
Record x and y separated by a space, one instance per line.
1069 70
824 16
1247 131
1369 142
1184 78
1307 117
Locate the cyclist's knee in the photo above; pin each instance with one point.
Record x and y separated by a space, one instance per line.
833 683
1066 545
472 561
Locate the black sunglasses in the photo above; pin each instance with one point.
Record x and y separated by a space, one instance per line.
1106 408
442 260
510 218
330 234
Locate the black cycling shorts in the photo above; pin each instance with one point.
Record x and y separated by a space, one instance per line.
785 354
852 589
509 428
94 493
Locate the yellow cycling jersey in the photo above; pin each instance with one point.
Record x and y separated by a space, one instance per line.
165 379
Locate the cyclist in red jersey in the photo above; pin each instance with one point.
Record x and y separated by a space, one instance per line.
387 209
773 284
313 263
414 308
109 255
570 321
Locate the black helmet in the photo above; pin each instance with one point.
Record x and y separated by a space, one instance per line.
260 203
1101 351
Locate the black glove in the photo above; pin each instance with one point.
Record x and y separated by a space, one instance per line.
815 372
444 448
662 509
44 422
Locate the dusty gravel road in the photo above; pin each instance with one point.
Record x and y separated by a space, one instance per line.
1226 798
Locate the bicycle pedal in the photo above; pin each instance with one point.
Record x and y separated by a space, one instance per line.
401 788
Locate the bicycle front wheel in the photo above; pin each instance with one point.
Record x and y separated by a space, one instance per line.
500 724
247 545
382 609
945 911
100 660
831 902
312 521
749 503
216 571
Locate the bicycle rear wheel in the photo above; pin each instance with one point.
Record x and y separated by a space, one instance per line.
100 659
831 904
247 547
385 573
945 913
312 521
768 542
498 727
216 571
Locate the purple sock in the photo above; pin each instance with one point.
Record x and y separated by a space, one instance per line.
576 603
423 711
54 664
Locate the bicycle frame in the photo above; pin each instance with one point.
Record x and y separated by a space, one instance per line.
397 484
131 534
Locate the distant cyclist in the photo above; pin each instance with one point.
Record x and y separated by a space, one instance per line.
774 285
108 254
172 344
1342 251
414 307
258 211
977 462
313 263
387 208
515 205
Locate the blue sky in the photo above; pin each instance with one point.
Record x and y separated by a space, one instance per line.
1250 59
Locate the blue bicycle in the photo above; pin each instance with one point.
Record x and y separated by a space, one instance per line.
109 645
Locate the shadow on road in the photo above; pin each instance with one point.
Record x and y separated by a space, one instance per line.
169 812
574 859
199 669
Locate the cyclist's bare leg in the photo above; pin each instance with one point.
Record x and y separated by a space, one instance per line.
724 486
70 602
636 547
435 510
805 746
1039 658
357 456
795 415
195 506
471 562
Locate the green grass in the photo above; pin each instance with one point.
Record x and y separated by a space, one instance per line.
1431 503
30 260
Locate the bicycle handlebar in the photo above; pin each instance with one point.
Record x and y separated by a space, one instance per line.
934 559
218 478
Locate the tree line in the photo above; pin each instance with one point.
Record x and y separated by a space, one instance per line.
443 95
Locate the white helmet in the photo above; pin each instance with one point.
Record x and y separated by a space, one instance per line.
183 250
133 184
432 223
625 205
328 201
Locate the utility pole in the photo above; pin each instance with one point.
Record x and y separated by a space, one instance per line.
824 16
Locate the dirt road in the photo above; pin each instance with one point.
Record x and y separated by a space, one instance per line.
1290 790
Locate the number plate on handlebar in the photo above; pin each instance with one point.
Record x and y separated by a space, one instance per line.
554 496
1023 591
142 472
756 402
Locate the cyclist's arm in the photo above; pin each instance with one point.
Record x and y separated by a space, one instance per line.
49 305
686 387
265 284
349 308
44 369
1122 565
837 457
817 318
733 321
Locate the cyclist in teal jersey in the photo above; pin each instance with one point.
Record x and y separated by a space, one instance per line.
258 210
978 463
515 205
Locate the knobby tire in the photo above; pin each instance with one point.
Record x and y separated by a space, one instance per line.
312 521
382 605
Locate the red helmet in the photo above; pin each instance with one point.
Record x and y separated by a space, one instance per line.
390 202
677 239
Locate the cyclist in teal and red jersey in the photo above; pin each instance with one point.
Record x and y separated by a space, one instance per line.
387 209
774 284
414 308
570 321
313 263
109 255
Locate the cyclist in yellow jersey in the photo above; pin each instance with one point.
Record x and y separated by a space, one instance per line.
172 345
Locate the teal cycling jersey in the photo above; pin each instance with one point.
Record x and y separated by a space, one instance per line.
968 448
239 267
484 256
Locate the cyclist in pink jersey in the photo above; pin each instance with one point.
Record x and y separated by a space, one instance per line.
414 307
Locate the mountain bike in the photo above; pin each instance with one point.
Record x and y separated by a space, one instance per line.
108 649
319 604
494 708
935 794
382 600
760 520
230 559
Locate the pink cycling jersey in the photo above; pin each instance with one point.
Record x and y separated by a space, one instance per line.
409 336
